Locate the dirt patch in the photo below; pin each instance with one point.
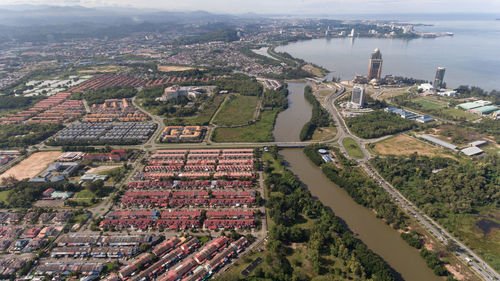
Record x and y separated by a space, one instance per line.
32 165
103 69
50 203
455 272
405 145
172 68
102 169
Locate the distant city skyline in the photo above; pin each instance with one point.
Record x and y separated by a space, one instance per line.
288 6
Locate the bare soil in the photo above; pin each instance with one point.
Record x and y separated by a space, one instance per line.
32 165
172 68
405 145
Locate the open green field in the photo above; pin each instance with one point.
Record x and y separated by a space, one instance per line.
260 131
278 168
352 148
485 241
429 104
454 112
203 117
237 111
84 194
440 109
3 195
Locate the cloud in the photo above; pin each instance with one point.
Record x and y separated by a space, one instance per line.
290 6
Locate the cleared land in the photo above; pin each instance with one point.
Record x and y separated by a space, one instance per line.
352 148
261 131
32 165
324 133
102 169
313 70
172 68
102 69
405 145
239 110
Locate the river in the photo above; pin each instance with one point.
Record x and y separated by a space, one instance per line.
470 56
379 237
290 122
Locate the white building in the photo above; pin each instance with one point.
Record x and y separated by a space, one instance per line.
358 96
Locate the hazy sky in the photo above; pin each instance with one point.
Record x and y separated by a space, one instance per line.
291 6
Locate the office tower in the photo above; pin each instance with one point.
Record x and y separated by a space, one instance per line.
358 96
375 69
438 81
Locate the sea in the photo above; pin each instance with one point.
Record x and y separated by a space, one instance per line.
471 56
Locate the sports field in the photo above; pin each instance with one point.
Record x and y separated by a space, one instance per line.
32 165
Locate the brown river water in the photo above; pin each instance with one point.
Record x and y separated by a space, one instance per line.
379 237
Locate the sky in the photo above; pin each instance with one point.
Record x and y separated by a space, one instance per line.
290 6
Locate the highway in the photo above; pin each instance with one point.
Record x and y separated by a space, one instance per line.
479 266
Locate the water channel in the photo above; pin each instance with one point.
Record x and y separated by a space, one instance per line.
290 122
379 237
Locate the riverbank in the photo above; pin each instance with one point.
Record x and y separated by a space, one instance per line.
306 240
377 235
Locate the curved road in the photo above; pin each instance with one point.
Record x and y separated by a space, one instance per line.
479 266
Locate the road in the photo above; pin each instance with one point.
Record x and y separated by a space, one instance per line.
479 266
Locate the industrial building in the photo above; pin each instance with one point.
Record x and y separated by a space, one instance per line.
484 110
105 133
439 142
472 151
474 104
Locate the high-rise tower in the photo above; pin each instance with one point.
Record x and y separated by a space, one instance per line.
439 80
358 96
375 69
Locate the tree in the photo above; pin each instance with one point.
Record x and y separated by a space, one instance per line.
452 246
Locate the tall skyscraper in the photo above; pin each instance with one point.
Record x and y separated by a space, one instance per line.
375 69
439 80
358 96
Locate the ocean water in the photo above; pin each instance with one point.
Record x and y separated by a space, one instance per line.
471 56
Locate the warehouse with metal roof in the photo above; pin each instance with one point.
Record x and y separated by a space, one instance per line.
474 104
472 151
439 142
484 110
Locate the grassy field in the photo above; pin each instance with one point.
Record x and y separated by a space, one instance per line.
439 108
485 242
3 195
261 131
352 148
324 133
277 167
203 117
429 104
237 111
454 112
313 70
405 145
84 194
